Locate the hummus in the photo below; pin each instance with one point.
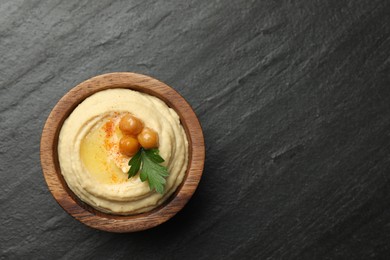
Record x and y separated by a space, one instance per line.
90 160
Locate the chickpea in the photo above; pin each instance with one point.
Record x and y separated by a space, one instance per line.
130 125
128 145
148 138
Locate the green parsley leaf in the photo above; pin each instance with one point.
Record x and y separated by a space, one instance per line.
151 170
153 154
135 164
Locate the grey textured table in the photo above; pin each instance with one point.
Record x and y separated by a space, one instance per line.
293 96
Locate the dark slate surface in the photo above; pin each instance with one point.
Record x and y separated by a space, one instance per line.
293 96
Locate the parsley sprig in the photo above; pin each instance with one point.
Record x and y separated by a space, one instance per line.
151 169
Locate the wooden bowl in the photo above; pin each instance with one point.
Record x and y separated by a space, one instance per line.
82 211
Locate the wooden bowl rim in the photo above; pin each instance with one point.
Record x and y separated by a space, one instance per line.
82 211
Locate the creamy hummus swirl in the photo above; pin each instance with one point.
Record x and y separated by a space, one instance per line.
120 195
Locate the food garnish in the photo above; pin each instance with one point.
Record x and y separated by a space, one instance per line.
141 143
148 138
128 145
148 161
130 125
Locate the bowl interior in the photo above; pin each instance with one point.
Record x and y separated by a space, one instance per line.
89 215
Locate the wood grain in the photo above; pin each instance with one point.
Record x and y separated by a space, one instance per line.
85 213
